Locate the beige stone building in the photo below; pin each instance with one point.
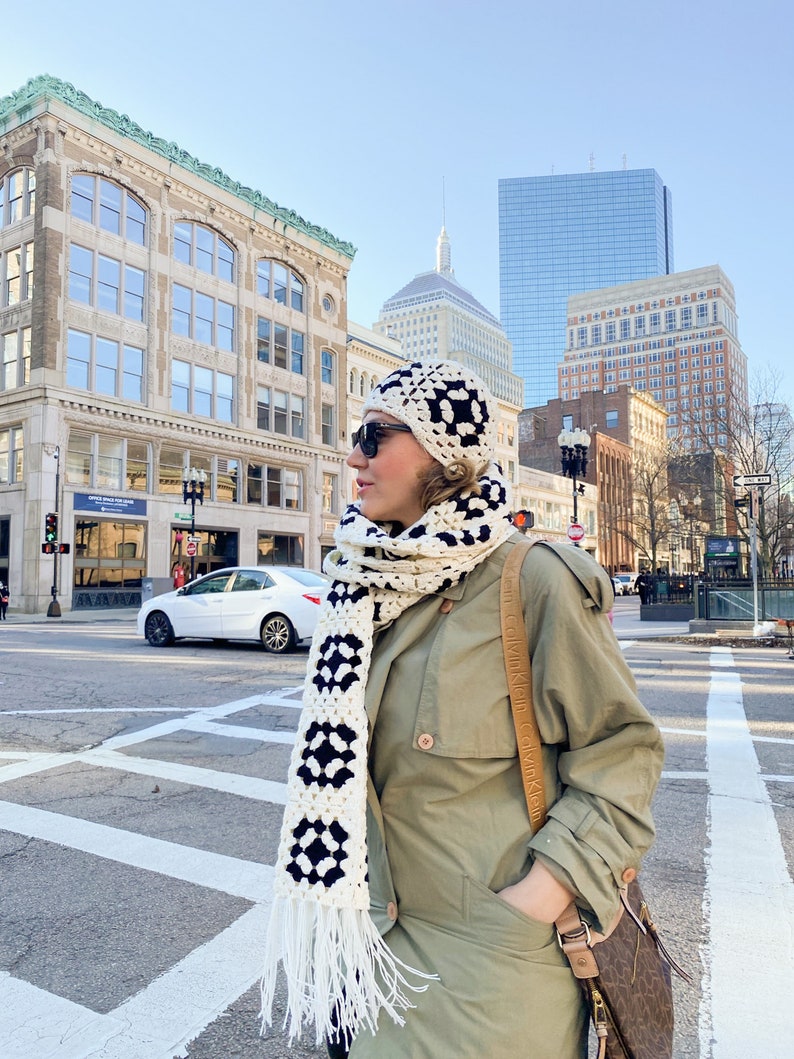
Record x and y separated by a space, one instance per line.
156 315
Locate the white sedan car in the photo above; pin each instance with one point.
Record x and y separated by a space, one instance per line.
277 605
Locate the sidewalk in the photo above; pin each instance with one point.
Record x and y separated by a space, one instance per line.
82 617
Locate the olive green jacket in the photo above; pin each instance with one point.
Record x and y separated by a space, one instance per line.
447 821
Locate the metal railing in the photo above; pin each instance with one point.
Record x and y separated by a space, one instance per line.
725 600
733 600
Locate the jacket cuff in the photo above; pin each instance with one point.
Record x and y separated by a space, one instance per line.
587 855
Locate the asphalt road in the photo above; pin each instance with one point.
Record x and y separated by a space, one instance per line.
140 796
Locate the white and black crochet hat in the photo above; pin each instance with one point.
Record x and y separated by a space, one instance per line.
450 411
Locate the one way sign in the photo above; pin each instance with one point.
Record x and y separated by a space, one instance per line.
750 481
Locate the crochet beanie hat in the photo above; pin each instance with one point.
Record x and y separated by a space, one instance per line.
449 410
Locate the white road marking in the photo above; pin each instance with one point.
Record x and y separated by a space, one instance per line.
238 731
748 901
231 875
175 1008
36 1023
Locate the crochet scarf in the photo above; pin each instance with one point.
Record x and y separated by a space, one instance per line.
340 973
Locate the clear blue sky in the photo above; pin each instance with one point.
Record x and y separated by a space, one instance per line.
352 113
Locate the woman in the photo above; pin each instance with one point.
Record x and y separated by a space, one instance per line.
407 712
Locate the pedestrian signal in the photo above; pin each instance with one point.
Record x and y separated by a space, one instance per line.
523 520
51 528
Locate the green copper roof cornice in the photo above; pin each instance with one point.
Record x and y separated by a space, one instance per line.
43 86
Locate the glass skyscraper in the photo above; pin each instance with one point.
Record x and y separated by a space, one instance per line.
567 234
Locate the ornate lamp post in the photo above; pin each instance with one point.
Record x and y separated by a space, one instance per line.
193 490
691 512
573 453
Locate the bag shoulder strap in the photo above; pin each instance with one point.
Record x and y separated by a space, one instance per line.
519 684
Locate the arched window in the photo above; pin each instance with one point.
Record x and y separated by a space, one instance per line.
17 196
274 280
199 246
108 206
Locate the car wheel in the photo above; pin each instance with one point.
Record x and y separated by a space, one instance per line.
277 634
158 630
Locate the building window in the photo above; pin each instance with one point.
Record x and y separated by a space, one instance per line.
202 391
202 318
263 407
15 366
328 425
11 453
279 549
656 323
327 367
263 340
639 327
609 332
109 554
199 246
625 329
105 283
297 416
102 462
16 275
108 206
612 417
284 488
297 342
17 196
670 320
330 493
276 281
100 365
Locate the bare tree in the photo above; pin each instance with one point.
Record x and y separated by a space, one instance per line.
754 436
652 520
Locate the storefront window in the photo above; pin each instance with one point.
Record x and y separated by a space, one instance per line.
280 549
109 555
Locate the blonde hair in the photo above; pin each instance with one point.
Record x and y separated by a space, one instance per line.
441 483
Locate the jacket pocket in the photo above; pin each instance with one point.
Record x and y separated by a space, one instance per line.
498 925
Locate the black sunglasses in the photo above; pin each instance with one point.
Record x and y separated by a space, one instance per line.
367 436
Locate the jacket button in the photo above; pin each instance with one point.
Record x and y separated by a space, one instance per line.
425 741
391 911
446 606
629 875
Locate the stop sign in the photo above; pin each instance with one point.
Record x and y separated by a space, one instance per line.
576 532
191 548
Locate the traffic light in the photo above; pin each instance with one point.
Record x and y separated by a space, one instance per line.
51 528
523 520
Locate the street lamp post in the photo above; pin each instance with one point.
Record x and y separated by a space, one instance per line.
54 608
573 454
193 490
691 512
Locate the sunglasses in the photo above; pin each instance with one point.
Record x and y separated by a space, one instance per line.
368 436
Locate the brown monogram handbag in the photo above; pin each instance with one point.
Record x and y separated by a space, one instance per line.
624 974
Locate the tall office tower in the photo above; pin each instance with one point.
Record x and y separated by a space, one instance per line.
434 317
563 235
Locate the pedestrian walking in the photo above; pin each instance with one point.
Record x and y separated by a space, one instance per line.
413 907
3 601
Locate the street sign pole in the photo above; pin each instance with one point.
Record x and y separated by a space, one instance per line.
754 557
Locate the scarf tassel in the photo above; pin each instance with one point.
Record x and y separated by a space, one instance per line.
339 972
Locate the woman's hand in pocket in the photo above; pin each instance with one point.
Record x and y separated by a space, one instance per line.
538 895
